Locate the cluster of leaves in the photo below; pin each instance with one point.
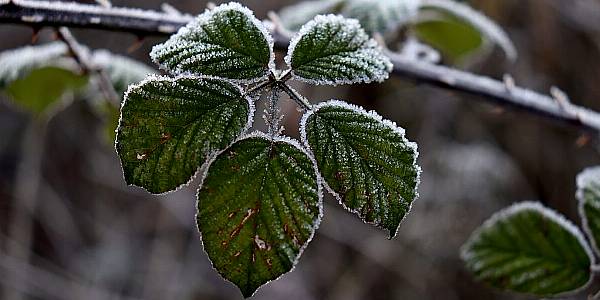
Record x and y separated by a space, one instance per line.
449 26
260 199
531 249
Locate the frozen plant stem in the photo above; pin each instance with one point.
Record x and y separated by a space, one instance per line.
147 22
82 57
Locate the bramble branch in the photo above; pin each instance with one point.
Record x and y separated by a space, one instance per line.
147 22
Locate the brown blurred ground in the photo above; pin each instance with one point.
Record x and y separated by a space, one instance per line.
95 238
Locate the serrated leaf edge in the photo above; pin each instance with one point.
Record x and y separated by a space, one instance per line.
388 123
585 178
203 19
546 213
278 138
370 44
154 77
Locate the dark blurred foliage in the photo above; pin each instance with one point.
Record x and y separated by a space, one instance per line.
88 236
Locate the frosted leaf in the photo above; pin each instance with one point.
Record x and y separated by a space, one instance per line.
122 70
226 42
258 208
294 16
486 26
366 161
530 249
381 16
16 63
588 195
335 50
169 127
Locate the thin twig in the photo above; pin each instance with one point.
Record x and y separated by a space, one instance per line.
82 57
145 22
299 99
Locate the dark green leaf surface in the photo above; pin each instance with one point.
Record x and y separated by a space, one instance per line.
588 194
530 249
43 88
334 50
226 42
366 161
169 126
258 207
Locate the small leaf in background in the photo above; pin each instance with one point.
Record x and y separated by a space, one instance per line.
487 27
226 42
258 207
588 194
334 50
17 63
43 88
110 115
454 38
530 249
365 160
296 15
169 127
381 16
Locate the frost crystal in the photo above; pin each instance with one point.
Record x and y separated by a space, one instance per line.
334 50
382 16
294 16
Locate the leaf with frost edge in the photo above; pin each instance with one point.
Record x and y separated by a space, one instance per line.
584 179
547 213
395 13
369 44
320 182
388 123
203 19
209 156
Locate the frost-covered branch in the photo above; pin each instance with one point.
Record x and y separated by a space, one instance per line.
146 22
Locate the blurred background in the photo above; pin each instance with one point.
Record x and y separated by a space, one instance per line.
71 229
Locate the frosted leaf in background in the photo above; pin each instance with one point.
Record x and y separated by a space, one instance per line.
18 62
530 249
365 161
258 208
588 195
296 15
334 50
122 70
486 26
226 42
381 16
169 128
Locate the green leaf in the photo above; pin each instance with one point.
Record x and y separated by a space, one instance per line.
366 161
334 50
169 127
455 38
477 20
381 16
258 207
41 89
296 15
588 194
530 249
226 42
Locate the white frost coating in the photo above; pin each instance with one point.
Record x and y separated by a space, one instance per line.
547 213
585 180
120 68
382 16
178 39
369 48
296 15
413 49
17 62
60 6
373 114
203 169
486 26
259 134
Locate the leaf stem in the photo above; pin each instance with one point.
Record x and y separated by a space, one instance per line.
259 87
299 99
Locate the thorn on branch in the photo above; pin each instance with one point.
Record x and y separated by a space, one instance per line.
104 3
561 98
211 5
509 82
170 10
